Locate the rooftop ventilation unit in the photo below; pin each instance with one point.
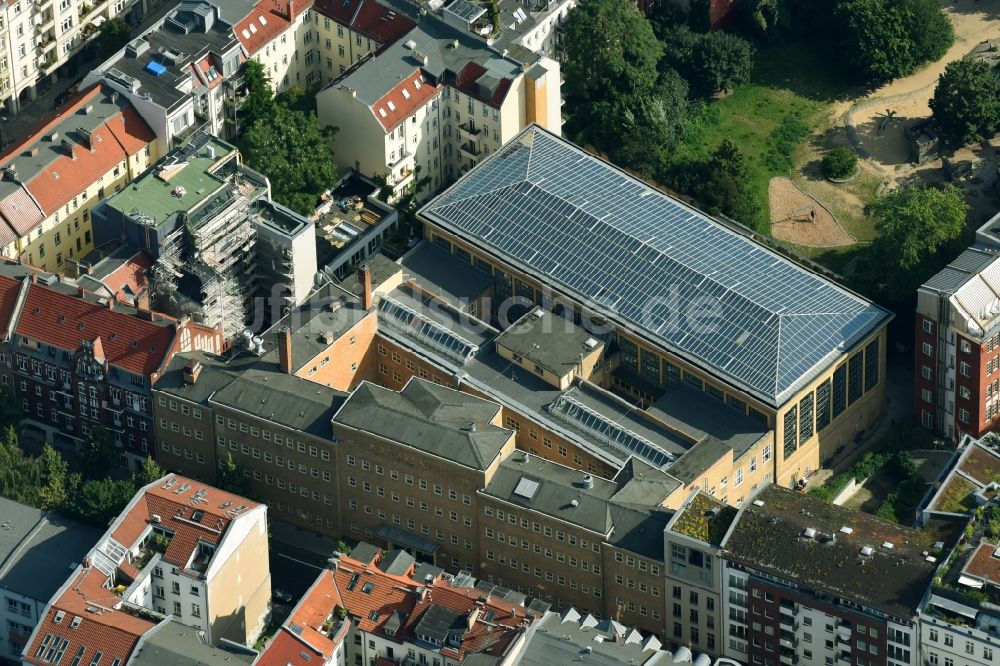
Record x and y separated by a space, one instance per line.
809 533
847 530
887 545
758 502
866 551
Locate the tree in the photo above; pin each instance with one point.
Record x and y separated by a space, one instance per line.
914 224
259 101
610 51
840 163
111 37
11 413
148 473
100 500
889 39
230 477
291 149
759 17
720 184
720 62
53 476
965 104
98 454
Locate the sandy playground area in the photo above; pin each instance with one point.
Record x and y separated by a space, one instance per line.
798 218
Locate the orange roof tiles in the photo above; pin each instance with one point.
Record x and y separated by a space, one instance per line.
65 177
63 321
100 628
406 97
369 17
466 82
261 26
131 274
9 289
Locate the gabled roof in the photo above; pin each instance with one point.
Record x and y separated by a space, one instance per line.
647 261
403 100
9 289
372 19
43 162
63 321
89 605
262 25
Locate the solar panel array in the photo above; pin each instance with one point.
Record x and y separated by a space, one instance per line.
411 323
702 291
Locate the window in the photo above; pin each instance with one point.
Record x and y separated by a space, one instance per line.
927 349
928 326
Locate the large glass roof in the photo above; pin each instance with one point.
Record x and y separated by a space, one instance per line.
657 266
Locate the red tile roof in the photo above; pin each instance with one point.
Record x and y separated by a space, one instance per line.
261 26
9 289
371 597
405 98
466 82
175 506
63 321
203 66
131 274
65 177
381 23
368 17
20 213
101 628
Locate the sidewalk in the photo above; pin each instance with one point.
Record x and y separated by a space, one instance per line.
302 538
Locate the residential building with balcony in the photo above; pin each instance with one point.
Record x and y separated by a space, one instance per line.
807 582
280 35
960 613
181 71
41 38
179 549
80 362
957 346
375 607
36 548
350 30
433 103
53 179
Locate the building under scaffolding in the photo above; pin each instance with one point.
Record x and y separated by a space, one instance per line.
201 214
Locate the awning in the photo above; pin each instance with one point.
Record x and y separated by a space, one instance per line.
400 537
968 581
953 606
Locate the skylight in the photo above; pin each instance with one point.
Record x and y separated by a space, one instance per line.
406 94
526 488
392 107
253 28
382 112
263 21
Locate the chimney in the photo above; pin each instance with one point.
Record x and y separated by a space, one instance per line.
111 303
142 301
365 278
80 291
69 148
192 370
285 349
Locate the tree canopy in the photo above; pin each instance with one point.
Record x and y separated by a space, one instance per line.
611 51
98 454
889 39
965 104
915 225
230 477
291 149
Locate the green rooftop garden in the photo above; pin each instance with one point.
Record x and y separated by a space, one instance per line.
956 497
698 522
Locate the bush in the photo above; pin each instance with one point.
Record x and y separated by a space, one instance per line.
840 163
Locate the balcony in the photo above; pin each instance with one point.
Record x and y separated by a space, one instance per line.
789 643
469 131
788 659
470 150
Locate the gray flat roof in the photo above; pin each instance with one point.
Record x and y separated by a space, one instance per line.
176 644
569 636
441 273
699 415
549 340
960 270
39 550
655 265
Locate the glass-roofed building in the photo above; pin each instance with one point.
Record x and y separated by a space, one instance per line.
690 300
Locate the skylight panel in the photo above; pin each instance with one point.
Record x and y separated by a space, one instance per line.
382 112
392 107
246 33
406 94
263 21
253 28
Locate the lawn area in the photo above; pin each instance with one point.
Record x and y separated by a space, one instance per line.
771 118
957 496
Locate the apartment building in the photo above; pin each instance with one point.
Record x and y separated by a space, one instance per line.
53 179
280 36
400 112
39 38
739 340
351 30
79 362
959 621
814 583
35 550
693 566
216 238
180 72
179 549
382 607
957 347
